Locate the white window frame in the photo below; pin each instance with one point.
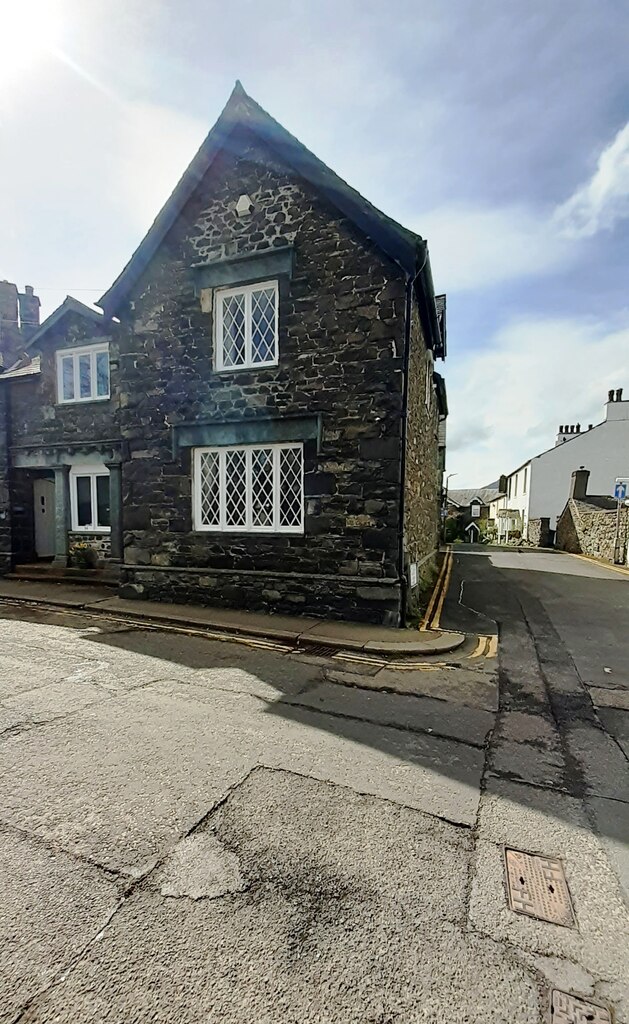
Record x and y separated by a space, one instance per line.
248 527
475 510
87 350
92 472
246 290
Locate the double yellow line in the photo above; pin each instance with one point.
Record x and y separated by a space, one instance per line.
432 616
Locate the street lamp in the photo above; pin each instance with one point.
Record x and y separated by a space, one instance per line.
445 506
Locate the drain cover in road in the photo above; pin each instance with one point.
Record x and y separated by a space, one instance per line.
567 1009
537 887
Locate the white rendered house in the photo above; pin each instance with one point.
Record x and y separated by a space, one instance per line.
539 488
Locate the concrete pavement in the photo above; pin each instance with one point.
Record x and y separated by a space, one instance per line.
202 831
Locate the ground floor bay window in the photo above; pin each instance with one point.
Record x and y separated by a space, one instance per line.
89 499
250 489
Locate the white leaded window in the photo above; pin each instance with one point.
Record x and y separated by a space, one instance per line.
257 488
246 326
83 374
89 499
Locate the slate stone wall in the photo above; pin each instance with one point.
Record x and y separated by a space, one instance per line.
423 470
585 530
37 419
41 428
341 332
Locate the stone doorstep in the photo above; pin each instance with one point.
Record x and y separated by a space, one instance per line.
283 628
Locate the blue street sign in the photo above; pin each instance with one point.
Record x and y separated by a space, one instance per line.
620 491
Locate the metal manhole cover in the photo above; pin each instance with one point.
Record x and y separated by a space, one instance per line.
537 887
567 1009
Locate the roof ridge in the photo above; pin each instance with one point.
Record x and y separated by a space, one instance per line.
399 243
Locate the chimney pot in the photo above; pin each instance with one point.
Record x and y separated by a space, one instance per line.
610 395
578 428
590 425
619 394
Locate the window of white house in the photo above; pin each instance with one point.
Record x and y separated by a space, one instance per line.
83 374
249 489
89 500
524 484
246 326
515 486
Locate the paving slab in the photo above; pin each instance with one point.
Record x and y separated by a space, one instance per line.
422 714
551 824
611 821
603 764
51 906
616 723
71 595
430 773
347 919
610 697
127 780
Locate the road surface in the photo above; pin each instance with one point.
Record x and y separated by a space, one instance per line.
201 831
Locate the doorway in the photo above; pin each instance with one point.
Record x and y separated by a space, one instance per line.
44 510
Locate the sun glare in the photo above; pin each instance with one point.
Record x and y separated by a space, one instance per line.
29 29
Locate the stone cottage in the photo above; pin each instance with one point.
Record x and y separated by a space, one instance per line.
276 415
60 450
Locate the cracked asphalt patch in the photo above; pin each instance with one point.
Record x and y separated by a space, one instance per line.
348 916
197 831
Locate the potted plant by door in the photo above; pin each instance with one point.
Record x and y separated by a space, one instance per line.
83 555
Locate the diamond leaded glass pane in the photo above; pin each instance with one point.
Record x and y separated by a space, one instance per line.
210 489
291 487
235 488
234 331
263 325
262 488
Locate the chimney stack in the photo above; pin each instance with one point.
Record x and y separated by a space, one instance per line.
29 312
579 484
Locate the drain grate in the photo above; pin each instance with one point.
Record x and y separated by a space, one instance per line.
568 1009
537 887
320 650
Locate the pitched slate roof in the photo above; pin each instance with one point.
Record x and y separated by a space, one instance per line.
69 305
403 246
23 369
465 495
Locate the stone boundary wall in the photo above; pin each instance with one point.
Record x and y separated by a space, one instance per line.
539 532
360 599
582 529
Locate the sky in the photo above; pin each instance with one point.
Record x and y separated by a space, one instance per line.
497 130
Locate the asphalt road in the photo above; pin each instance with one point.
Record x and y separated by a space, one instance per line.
203 831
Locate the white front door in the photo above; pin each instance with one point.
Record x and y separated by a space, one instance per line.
44 506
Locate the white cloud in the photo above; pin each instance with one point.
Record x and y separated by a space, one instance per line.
534 375
480 247
604 199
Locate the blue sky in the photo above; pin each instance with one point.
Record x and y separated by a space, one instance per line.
499 131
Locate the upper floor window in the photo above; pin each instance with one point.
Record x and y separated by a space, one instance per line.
83 373
475 510
249 488
525 481
246 326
